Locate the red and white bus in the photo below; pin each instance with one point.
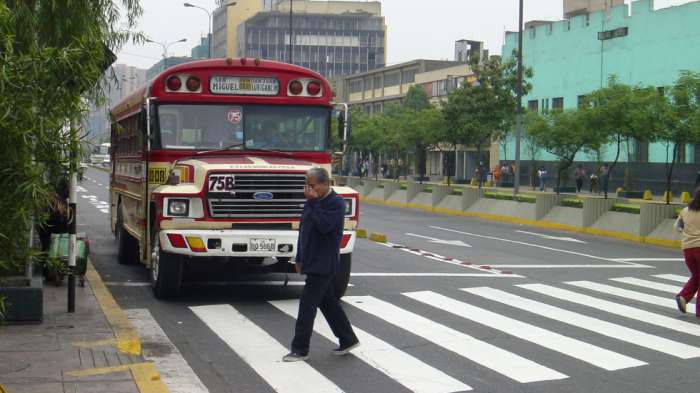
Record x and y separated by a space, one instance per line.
208 164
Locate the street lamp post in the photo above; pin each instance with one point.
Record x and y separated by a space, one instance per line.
165 47
210 16
518 108
291 32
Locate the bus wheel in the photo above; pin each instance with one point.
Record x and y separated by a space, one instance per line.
342 277
127 246
166 272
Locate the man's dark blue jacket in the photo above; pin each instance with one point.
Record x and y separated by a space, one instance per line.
320 232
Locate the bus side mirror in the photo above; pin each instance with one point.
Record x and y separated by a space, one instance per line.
341 126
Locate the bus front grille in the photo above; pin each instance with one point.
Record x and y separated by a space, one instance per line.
259 195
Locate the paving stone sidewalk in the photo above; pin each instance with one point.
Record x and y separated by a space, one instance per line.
70 353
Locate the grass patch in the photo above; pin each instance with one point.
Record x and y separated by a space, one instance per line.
572 202
403 186
510 197
626 208
457 191
428 189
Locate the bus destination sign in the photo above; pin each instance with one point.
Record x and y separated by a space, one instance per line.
250 86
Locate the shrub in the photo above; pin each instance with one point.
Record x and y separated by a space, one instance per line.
509 197
626 208
572 202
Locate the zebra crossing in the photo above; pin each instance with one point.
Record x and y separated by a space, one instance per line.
614 309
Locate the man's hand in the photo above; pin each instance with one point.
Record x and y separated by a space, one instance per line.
310 193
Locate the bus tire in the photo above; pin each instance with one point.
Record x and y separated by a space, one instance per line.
342 276
127 246
166 273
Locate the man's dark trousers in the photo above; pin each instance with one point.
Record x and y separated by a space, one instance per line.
319 293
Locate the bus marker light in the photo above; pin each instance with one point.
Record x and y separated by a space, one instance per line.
295 87
344 241
174 83
243 60
177 240
193 83
313 88
196 244
257 61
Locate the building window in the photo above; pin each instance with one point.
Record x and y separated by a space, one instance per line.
532 32
409 76
355 86
391 79
558 103
661 90
582 101
377 82
532 105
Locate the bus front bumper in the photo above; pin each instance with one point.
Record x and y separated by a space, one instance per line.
237 243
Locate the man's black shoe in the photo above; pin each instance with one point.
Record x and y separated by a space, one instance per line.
681 303
294 357
343 350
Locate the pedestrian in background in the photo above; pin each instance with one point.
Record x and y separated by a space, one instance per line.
318 253
594 183
688 223
542 176
604 179
579 175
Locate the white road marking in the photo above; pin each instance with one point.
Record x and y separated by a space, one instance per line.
648 259
673 277
105 211
438 257
480 352
396 364
100 184
440 241
177 374
262 352
128 284
533 245
599 326
625 293
615 308
549 237
600 357
373 274
648 284
582 266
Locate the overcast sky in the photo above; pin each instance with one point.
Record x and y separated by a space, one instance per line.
415 28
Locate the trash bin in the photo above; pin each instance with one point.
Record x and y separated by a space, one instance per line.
58 248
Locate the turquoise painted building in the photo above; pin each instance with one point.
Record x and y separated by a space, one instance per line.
640 45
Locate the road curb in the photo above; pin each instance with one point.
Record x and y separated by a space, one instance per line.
146 375
533 223
377 237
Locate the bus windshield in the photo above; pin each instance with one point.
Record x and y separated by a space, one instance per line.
205 127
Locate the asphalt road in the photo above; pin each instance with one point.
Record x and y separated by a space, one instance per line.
450 304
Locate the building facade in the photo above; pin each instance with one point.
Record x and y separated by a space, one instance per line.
226 18
637 44
332 38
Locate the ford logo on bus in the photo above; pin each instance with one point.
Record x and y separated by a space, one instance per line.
263 196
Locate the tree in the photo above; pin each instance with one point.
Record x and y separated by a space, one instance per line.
682 118
52 56
624 114
484 110
563 133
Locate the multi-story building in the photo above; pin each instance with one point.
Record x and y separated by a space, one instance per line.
334 38
372 91
582 7
226 18
468 50
636 43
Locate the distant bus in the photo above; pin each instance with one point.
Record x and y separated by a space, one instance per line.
100 155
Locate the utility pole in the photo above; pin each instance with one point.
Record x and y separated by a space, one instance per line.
519 107
291 32
72 217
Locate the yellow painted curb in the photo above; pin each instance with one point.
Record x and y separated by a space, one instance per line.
377 237
533 223
361 233
146 376
2 389
127 338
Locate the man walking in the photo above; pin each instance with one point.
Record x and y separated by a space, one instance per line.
318 249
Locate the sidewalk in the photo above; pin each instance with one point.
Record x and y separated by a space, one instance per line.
93 350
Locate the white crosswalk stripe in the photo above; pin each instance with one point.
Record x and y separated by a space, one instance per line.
667 302
586 352
599 326
648 284
504 362
402 367
262 352
615 308
673 277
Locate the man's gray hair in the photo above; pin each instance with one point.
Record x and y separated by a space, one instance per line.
320 174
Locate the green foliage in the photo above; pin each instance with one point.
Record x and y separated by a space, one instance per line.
52 56
572 202
626 208
416 99
509 197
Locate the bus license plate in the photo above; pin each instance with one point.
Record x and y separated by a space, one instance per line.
257 244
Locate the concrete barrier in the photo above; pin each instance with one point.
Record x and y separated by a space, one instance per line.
651 215
439 193
594 208
341 180
544 204
354 182
469 197
390 188
369 186
412 190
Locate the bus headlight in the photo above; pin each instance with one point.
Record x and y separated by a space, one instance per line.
178 207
